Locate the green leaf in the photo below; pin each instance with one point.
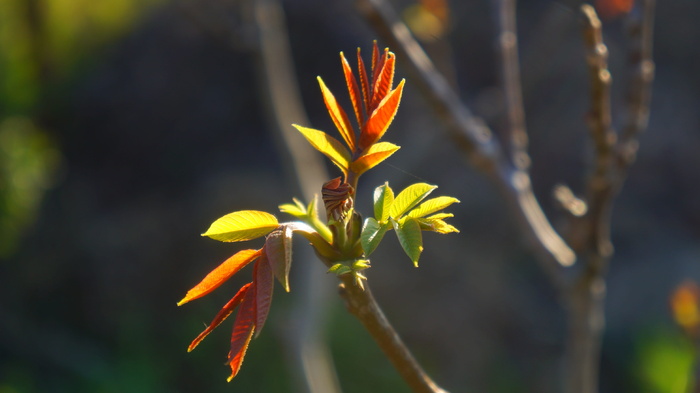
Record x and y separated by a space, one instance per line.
372 234
278 248
432 205
329 146
297 209
383 198
340 269
409 233
242 225
409 198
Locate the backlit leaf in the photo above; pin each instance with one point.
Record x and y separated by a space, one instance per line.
264 285
384 78
221 316
409 198
278 248
220 274
243 329
329 146
320 244
432 205
338 115
380 119
364 82
297 209
383 199
353 89
409 233
372 234
376 153
242 225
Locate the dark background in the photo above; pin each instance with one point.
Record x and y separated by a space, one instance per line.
127 127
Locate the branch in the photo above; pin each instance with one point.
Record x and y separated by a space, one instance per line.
362 305
475 139
510 73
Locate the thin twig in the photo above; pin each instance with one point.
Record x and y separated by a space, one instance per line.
284 104
475 139
641 64
362 305
510 73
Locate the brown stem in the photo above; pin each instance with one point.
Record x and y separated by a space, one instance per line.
362 305
510 73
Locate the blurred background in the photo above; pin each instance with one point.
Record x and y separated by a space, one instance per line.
127 127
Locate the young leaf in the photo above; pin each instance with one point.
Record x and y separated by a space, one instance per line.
264 281
383 199
376 153
353 89
432 205
221 316
384 78
381 118
278 248
410 236
243 329
372 234
409 198
329 146
242 225
436 225
297 209
220 274
338 115
364 81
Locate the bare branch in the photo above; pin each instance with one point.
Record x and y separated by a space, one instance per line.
475 139
641 65
362 305
510 71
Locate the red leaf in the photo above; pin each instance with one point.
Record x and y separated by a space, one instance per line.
338 115
220 274
263 292
354 90
221 316
375 60
363 81
385 79
610 9
380 120
278 248
243 329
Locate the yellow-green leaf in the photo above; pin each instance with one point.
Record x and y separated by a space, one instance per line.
409 198
372 234
432 205
242 225
373 156
383 199
329 146
409 233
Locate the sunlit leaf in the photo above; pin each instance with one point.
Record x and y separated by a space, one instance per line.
329 146
220 274
383 199
221 316
364 82
278 248
376 153
409 233
409 198
243 329
264 285
297 209
372 234
353 89
432 205
436 225
338 115
320 244
385 78
242 225
381 118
